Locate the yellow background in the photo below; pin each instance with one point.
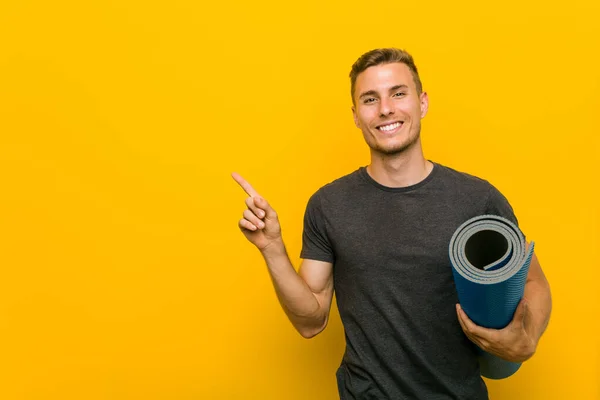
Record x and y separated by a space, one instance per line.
123 273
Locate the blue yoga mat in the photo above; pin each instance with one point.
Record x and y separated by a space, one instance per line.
490 268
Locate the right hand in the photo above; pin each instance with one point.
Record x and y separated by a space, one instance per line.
260 224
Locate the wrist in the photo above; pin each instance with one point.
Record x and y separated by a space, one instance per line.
273 249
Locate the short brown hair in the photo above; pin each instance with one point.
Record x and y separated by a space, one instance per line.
383 56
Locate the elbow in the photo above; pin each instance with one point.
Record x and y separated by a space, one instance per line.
309 332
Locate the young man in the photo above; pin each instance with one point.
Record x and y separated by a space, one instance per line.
379 237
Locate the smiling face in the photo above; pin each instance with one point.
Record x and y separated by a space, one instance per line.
388 108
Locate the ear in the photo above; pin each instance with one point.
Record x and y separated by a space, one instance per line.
424 98
355 117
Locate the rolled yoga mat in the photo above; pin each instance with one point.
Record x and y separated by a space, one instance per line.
490 268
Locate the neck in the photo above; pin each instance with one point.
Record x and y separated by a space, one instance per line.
400 170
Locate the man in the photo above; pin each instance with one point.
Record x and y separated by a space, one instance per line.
379 237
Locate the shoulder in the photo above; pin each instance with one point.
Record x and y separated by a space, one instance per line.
479 192
463 182
340 186
471 192
462 178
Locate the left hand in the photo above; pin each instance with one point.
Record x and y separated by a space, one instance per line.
513 343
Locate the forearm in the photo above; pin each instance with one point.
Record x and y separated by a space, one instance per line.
297 300
518 341
539 302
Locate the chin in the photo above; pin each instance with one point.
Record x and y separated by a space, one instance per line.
394 149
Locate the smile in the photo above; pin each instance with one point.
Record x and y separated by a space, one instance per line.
390 127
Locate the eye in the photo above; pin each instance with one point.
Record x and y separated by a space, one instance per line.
369 100
400 94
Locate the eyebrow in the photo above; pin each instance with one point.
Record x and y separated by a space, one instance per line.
374 93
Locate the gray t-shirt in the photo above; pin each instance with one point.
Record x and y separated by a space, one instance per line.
393 281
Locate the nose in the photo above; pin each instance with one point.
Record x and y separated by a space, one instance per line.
385 107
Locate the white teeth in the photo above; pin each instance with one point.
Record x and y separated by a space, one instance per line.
391 127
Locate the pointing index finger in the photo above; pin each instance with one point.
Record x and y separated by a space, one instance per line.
245 185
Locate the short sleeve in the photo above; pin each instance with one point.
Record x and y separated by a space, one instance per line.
497 204
315 243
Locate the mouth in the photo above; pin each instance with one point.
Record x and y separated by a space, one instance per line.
390 127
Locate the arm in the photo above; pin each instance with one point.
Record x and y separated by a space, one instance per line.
306 295
518 341
539 300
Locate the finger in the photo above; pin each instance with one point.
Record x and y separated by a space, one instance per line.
469 335
480 343
253 219
472 328
264 205
244 224
460 320
244 184
251 203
